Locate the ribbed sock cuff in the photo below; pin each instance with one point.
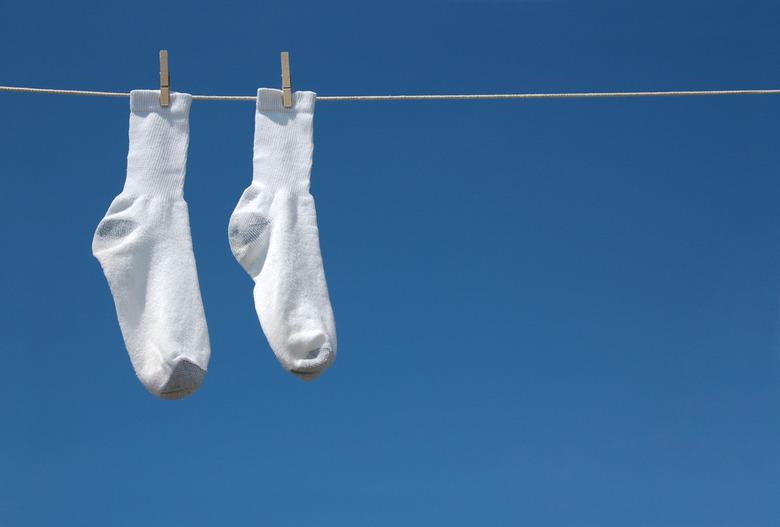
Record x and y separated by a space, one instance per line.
142 101
270 100
283 141
159 140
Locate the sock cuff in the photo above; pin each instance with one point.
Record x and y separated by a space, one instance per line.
142 101
283 141
159 140
270 100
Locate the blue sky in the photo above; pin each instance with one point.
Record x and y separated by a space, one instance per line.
557 313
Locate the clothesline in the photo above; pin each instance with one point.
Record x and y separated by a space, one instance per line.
572 95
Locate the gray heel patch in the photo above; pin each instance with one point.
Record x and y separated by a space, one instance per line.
247 228
248 234
115 228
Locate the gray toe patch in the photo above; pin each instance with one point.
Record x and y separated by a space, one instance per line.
314 367
185 378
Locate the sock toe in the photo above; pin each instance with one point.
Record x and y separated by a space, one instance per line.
317 361
185 378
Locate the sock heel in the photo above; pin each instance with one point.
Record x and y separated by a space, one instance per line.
248 233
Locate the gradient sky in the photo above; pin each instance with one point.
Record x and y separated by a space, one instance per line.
553 313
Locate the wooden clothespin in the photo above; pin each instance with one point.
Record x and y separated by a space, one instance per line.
165 80
286 85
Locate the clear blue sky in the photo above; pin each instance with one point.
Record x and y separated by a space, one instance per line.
559 313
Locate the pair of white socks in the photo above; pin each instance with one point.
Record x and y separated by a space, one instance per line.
144 245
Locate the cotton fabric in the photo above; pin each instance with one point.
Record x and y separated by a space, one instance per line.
274 236
145 249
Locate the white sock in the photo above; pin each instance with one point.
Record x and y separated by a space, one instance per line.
144 246
273 235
